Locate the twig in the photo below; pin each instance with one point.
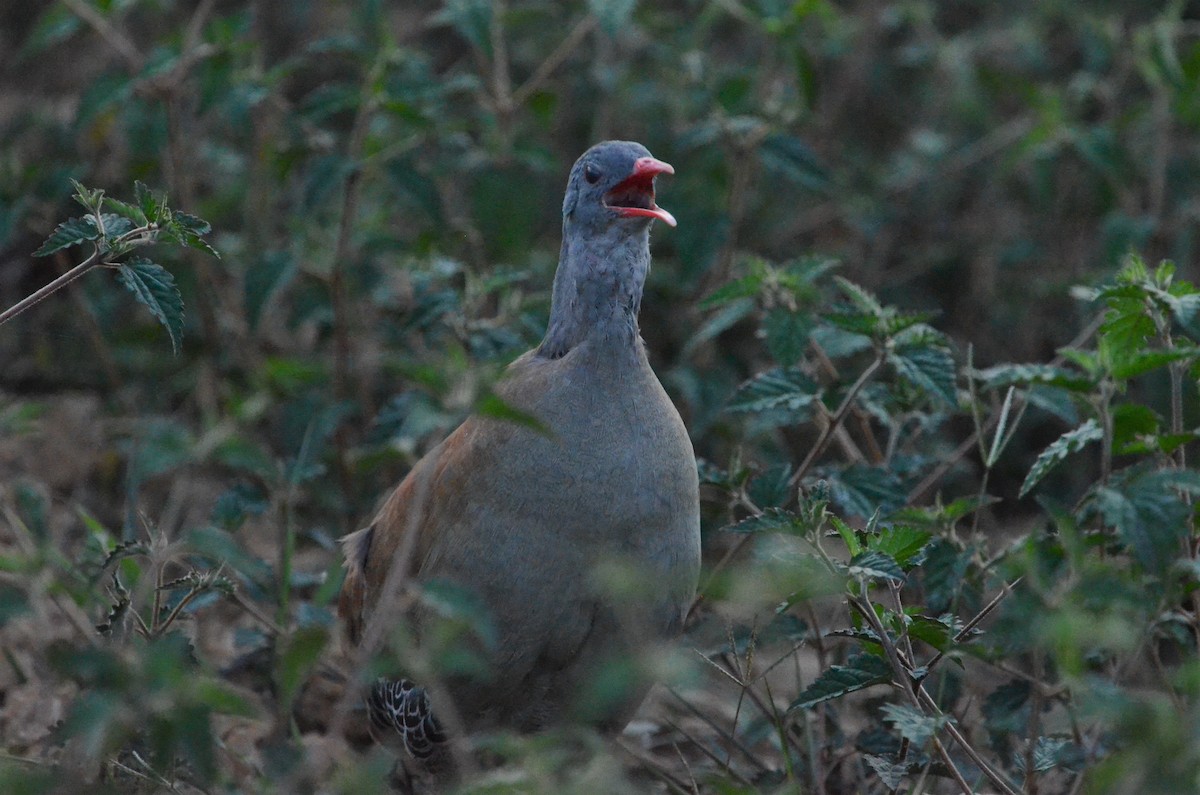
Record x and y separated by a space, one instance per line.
970 442
673 783
974 622
554 60
115 38
712 725
838 418
43 293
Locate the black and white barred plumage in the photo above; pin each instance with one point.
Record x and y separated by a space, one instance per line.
399 706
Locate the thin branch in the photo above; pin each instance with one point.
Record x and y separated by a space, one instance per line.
970 442
60 282
980 616
115 38
838 418
554 60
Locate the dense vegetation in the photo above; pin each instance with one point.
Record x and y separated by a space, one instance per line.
920 316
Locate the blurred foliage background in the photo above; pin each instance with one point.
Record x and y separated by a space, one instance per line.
384 184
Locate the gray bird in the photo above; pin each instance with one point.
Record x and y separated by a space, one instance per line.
525 519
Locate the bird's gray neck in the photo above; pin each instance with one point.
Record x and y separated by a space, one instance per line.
598 291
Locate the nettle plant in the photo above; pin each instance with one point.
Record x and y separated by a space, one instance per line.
115 230
1020 663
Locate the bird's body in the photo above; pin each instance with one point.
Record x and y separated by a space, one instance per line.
526 517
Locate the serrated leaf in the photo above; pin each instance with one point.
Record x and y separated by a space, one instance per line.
853 320
1003 376
187 230
786 334
782 389
1048 753
191 223
912 725
771 520
114 225
153 204
860 671
937 632
155 287
862 298
69 233
1145 507
861 490
745 287
1070 442
921 357
1186 310
88 198
889 772
876 566
1144 361
126 210
847 534
902 543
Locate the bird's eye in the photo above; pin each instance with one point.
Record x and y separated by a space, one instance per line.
591 174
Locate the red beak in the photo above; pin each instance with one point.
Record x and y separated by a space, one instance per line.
634 195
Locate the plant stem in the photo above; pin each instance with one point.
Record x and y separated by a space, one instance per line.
838 418
60 282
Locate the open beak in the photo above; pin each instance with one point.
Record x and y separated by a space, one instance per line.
634 195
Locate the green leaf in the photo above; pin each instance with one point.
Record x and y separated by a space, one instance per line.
1003 376
187 230
860 297
1145 507
848 536
771 520
786 334
1132 424
1070 442
1186 310
786 390
69 233
938 633
914 726
155 287
613 15
1143 361
114 225
745 287
861 490
890 773
903 543
860 671
921 356
153 204
1048 753
126 210
876 566
89 198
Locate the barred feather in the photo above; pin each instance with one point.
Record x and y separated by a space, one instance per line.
399 706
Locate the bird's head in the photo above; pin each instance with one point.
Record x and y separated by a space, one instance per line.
614 181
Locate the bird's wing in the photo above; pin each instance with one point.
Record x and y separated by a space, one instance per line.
398 538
